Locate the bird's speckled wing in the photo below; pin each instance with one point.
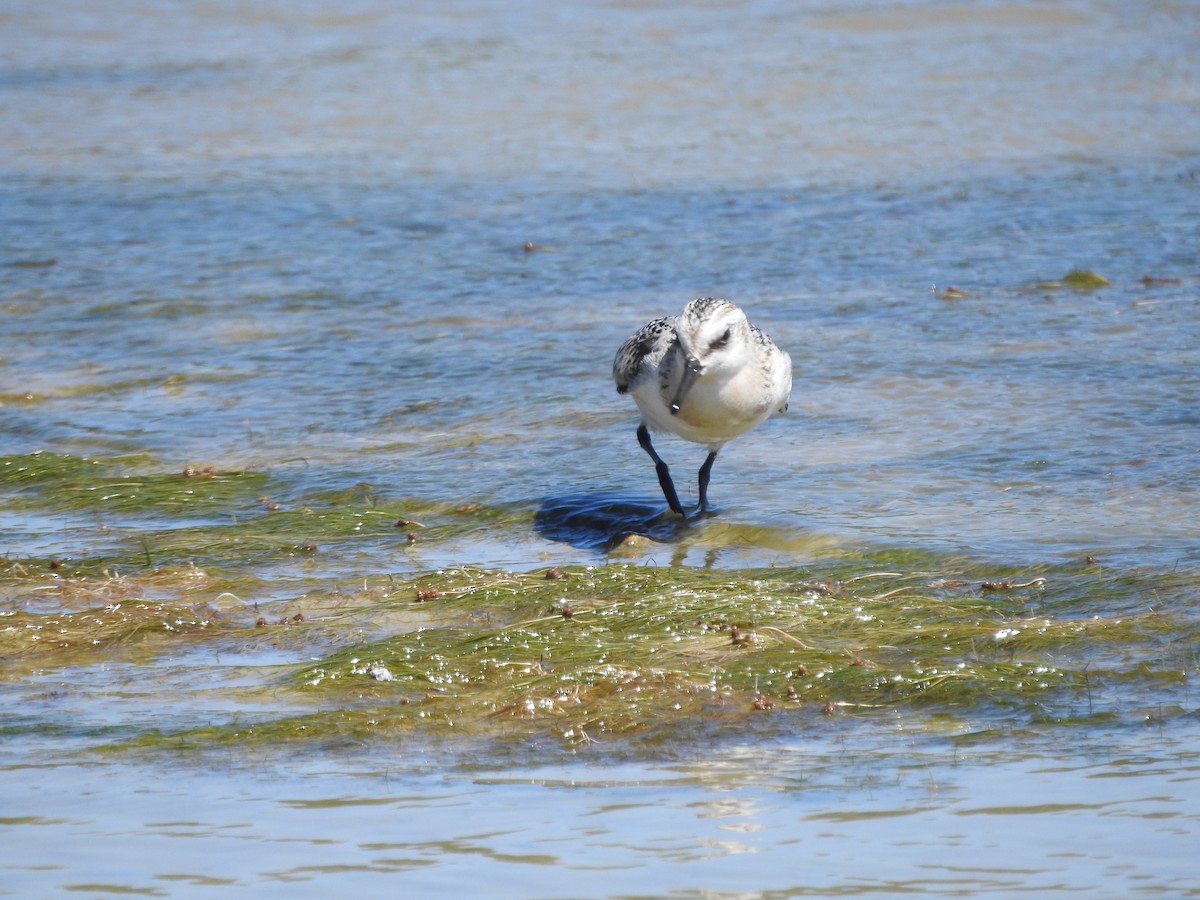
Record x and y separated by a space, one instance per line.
648 341
776 368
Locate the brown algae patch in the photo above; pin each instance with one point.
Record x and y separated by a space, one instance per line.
121 629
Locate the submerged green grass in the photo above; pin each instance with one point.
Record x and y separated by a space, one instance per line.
626 648
214 518
583 653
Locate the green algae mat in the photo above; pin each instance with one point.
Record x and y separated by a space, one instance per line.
247 620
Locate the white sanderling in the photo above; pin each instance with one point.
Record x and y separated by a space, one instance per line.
706 375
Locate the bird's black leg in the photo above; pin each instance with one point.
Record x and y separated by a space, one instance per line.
705 471
664 474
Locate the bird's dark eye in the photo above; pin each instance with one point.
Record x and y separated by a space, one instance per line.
720 342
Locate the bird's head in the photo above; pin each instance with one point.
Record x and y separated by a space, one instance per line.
714 337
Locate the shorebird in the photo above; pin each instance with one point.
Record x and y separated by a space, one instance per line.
706 375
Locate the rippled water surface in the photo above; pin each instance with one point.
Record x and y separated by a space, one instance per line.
817 821
396 246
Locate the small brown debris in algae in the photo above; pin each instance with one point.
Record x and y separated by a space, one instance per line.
830 708
555 573
859 661
408 523
738 638
56 563
824 587
424 594
990 586
309 547
791 692
800 671
1010 585
260 623
567 612
762 701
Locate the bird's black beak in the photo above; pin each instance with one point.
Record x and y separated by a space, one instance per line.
691 372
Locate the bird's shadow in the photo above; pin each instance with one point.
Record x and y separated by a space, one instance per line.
603 520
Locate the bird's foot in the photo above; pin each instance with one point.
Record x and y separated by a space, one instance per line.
698 512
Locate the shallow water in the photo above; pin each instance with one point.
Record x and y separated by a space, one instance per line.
293 239
916 818
1019 421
